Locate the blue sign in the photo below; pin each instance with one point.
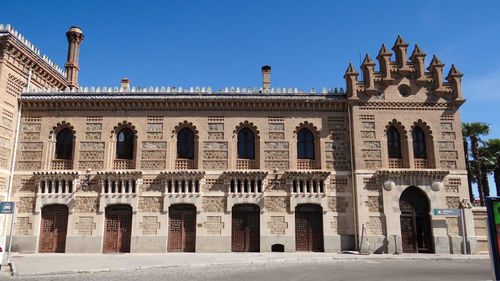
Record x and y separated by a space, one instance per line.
447 212
6 207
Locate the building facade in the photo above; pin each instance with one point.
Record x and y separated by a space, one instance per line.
167 169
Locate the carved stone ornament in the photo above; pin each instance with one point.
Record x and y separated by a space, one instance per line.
389 185
436 185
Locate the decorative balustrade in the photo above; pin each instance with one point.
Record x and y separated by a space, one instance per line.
421 163
306 164
122 164
62 164
246 164
312 186
118 186
245 186
182 186
56 186
395 163
184 164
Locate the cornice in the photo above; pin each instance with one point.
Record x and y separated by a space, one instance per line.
178 102
403 105
411 172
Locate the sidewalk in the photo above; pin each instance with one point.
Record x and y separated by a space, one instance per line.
52 264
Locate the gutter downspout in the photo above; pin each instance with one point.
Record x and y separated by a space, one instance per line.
353 181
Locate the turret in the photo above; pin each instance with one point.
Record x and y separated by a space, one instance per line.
384 58
418 59
436 68
455 79
351 77
399 48
368 68
75 37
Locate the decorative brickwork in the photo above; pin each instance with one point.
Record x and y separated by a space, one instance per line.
453 202
374 204
25 205
150 204
337 204
86 204
214 204
276 203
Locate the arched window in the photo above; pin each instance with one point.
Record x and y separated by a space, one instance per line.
419 149
185 144
125 144
246 144
393 143
305 144
64 144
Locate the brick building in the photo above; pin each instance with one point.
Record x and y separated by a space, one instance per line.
161 169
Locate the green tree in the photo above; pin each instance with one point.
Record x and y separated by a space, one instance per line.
492 158
473 131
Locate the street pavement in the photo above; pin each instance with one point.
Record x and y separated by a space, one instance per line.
248 266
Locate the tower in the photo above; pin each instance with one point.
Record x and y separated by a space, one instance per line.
75 37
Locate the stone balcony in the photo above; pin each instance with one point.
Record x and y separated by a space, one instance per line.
123 164
307 164
246 164
184 164
62 164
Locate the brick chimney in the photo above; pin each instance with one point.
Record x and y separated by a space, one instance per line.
266 77
75 37
125 84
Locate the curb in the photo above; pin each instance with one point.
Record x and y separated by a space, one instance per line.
347 258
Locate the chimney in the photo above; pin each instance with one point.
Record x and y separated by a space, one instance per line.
125 84
75 37
266 77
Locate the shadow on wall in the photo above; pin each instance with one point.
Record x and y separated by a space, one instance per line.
384 248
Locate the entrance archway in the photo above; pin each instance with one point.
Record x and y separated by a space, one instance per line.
182 229
53 229
117 229
245 228
309 228
416 231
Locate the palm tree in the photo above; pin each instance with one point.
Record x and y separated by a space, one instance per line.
467 166
493 154
473 131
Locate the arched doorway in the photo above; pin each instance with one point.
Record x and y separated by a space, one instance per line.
182 229
245 228
53 229
416 231
309 228
117 229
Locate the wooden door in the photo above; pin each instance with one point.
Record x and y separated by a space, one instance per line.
53 230
408 233
309 228
416 231
118 229
182 229
245 228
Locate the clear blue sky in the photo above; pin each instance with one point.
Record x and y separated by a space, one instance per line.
225 42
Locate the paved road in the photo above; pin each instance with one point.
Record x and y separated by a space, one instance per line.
387 270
